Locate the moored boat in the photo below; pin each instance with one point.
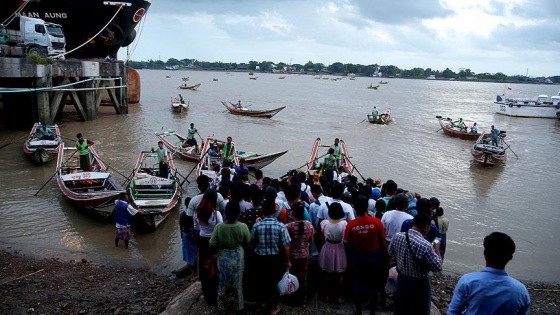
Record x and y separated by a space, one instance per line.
189 87
154 193
541 106
381 119
450 129
253 160
314 163
245 111
488 154
102 27
91 190
42 147
206 166
178 104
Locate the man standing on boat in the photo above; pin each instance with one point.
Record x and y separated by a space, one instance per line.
162 159
228 150
83 150
329 165
191 140
337 152
495 136
374 112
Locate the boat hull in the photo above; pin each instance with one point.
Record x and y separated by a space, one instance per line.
522 110
253 113
81 20
486 154
42 151
448 129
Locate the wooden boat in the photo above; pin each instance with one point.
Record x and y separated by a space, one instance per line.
383 82
245 111
381 119
189 87
206 164
174 143
39 149
93 191
215 80
487 154
373 87
450 129
316 159
253 78
178 105
281 77
155 194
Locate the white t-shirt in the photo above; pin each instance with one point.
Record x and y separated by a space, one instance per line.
195 201
323 213
392 222
206 230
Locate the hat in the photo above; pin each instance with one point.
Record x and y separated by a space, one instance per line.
378 182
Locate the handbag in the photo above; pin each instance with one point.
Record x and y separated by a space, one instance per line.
288 284
211 266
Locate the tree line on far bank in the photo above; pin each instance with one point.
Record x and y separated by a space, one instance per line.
337 68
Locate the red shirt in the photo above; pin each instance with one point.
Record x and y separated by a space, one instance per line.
364 233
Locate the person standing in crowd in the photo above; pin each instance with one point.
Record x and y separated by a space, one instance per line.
206 217
301 233
393 219
329 165
442 224
184 228
162 160
491 290
365 241
83 150
416 258
228 239
332 258
123 217
271 242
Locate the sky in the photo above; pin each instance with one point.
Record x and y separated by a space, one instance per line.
515 37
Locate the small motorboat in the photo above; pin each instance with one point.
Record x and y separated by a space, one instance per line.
488 154
189 87
246 111
381 119
42 143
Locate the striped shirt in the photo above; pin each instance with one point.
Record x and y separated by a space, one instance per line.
422 250
268 236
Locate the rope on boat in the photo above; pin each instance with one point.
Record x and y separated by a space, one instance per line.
16 13
94 36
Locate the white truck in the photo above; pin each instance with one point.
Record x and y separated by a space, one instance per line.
34 37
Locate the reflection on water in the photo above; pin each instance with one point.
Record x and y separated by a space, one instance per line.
515 198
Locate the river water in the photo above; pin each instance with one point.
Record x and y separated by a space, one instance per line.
518 198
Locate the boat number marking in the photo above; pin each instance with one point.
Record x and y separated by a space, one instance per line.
502 108
153 181
43 142
138 15
86 175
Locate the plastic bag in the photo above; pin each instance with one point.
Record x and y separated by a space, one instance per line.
288 284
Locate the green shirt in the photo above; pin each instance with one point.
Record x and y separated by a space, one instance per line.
228 236
329 163
337 151
227 151
82 147
161 154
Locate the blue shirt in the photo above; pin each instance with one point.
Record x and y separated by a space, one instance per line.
495 133
489 291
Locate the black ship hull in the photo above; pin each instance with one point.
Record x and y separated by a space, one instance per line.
81 20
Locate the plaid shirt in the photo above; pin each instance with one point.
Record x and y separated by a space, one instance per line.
268 236
422 250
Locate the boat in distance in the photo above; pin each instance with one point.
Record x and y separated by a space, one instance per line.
450 129
93 190
245 111
178 105
381 119
541 106
101 26
253 160
42 149
189 87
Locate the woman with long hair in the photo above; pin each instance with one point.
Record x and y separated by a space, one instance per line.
229 238
206 217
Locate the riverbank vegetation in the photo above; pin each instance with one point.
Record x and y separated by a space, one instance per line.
338 68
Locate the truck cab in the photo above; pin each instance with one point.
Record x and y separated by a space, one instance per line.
34 36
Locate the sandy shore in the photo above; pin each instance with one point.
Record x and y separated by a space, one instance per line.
55 286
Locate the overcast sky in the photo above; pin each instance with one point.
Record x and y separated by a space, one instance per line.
508 36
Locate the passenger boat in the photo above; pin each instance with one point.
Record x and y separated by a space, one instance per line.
245 111
487 154
373 87
178 105
154 193
381 119
316 159
93 191
189 87
206 164
174 143
101 26
541 106
42 149
450 129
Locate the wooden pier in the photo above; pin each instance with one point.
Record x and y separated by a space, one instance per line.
31 92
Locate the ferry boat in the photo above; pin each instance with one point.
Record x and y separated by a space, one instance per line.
101 26
541 106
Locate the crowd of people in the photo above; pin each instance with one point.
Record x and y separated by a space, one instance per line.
363 236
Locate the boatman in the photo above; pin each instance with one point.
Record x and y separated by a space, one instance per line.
238 105
181 99
162 160
191 140
474 128
43 133
329 165
461 124
374 112
495 136
337 152
83 150
228 150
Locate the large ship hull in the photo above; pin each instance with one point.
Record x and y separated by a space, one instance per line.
82 20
